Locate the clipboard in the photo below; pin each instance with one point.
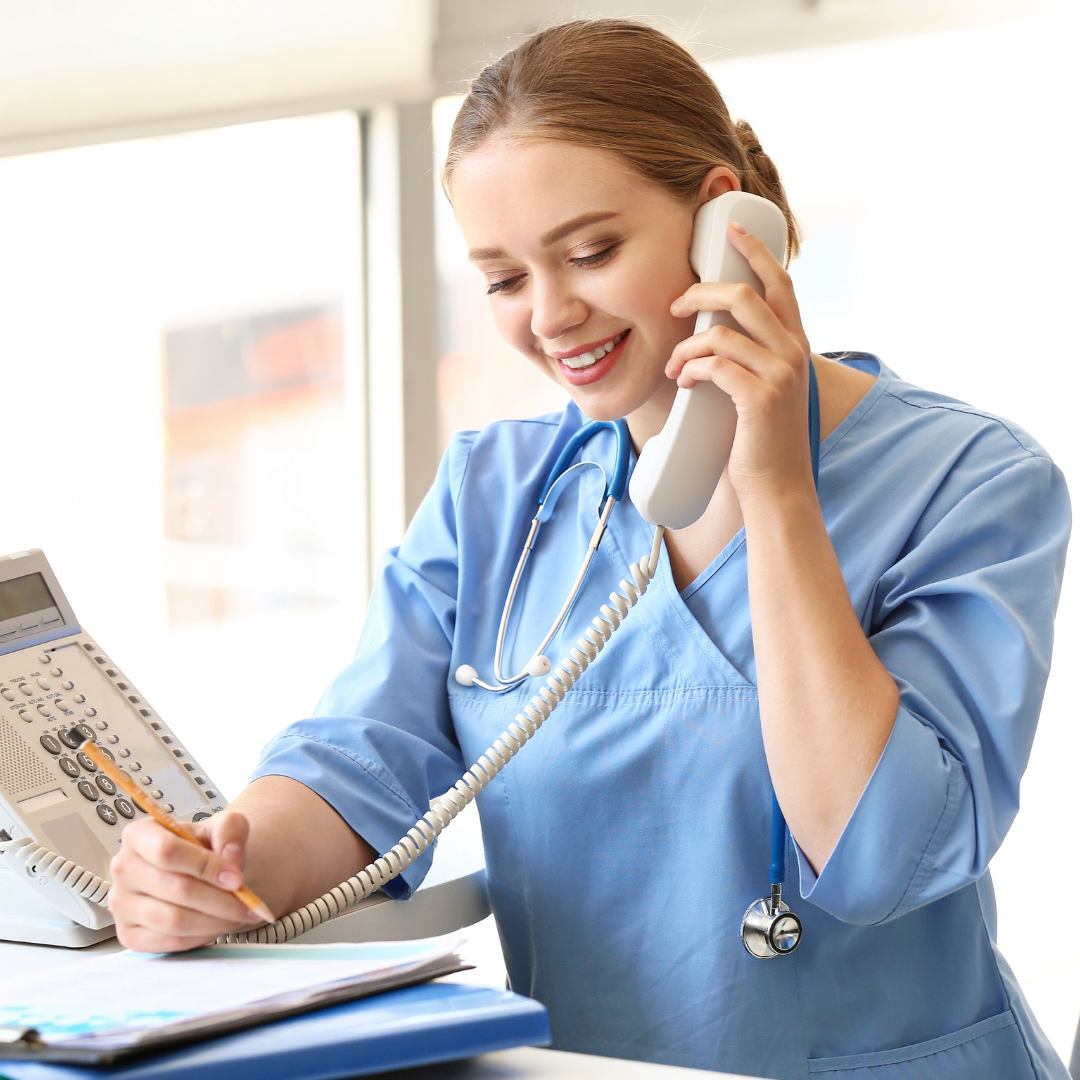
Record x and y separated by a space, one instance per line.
416 1025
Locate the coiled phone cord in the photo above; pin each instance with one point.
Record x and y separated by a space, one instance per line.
41 860
447 806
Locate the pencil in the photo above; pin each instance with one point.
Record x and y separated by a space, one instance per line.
138 796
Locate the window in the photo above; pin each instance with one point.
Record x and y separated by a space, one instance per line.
182 433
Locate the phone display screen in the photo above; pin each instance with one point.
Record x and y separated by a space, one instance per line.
22 595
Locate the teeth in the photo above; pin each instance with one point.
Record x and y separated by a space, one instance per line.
587 359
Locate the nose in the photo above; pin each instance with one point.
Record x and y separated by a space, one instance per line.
556 308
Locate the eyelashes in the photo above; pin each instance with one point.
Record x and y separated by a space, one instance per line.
586 262
504 285
598 259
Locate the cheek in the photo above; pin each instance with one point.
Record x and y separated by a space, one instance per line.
512 323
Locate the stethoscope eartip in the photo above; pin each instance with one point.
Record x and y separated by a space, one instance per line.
538 665
466 675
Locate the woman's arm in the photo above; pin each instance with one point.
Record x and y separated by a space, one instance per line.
827 702
292 846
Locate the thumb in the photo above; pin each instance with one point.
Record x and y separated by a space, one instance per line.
227 834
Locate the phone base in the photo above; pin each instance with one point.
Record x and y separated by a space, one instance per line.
32 930
23 917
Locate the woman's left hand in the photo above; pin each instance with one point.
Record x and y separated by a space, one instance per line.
766 373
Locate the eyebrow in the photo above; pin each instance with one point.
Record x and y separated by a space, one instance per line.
549 238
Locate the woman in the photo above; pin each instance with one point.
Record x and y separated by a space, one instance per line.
875 651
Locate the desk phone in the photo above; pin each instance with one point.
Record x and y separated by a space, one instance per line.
61 820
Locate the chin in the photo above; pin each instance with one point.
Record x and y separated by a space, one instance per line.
604 406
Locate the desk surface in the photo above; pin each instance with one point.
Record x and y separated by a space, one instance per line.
532 1063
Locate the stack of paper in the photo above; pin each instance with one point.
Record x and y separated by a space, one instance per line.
130 1000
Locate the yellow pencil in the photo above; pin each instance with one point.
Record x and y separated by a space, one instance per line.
121 779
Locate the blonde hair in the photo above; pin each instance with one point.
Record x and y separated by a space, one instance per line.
624 86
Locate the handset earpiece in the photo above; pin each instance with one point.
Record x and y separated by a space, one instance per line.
679 468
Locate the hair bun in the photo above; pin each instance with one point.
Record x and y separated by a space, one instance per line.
747 139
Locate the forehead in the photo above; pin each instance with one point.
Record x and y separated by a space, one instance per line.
510 193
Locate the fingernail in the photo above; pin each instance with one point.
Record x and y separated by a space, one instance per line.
232 853
230 879
738 228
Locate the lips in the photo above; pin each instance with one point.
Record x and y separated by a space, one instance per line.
585 374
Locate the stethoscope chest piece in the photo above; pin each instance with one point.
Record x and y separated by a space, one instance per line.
770 928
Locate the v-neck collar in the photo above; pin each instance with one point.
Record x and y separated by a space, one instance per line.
860 360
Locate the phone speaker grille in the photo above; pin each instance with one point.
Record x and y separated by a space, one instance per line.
20 769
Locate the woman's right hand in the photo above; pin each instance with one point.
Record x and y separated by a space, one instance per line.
169 895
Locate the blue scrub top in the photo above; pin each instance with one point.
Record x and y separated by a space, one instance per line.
624 843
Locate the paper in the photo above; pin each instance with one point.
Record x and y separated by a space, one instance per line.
128 999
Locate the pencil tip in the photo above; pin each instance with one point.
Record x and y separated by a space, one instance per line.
264 913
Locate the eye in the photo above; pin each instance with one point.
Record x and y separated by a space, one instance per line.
598 259
506 285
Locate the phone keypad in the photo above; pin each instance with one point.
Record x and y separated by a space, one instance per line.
54 695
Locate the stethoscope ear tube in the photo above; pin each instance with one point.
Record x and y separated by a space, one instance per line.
617 484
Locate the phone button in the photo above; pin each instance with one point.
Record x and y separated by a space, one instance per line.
200 817
125 808
68 739
50 744
87 790
44 709
69 766
106 813
79 699
56 672
27 689
8 695
67 684
106 784
24 714
86 731
86 762
44 684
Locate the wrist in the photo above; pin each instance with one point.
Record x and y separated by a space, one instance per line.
769 497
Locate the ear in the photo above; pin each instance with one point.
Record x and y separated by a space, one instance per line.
717 181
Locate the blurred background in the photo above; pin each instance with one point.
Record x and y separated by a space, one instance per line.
237 326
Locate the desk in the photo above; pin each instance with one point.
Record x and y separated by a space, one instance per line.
532 1063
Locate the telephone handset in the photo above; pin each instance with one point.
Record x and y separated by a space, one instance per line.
60 818
679 468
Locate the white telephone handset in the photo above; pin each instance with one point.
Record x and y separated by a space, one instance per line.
679 468
60 818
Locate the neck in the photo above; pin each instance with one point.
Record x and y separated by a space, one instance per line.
647 420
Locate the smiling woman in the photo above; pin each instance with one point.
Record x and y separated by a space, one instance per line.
872 647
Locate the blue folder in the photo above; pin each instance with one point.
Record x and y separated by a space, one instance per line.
416 1025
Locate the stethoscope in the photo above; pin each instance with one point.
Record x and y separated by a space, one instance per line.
769 927
560 476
